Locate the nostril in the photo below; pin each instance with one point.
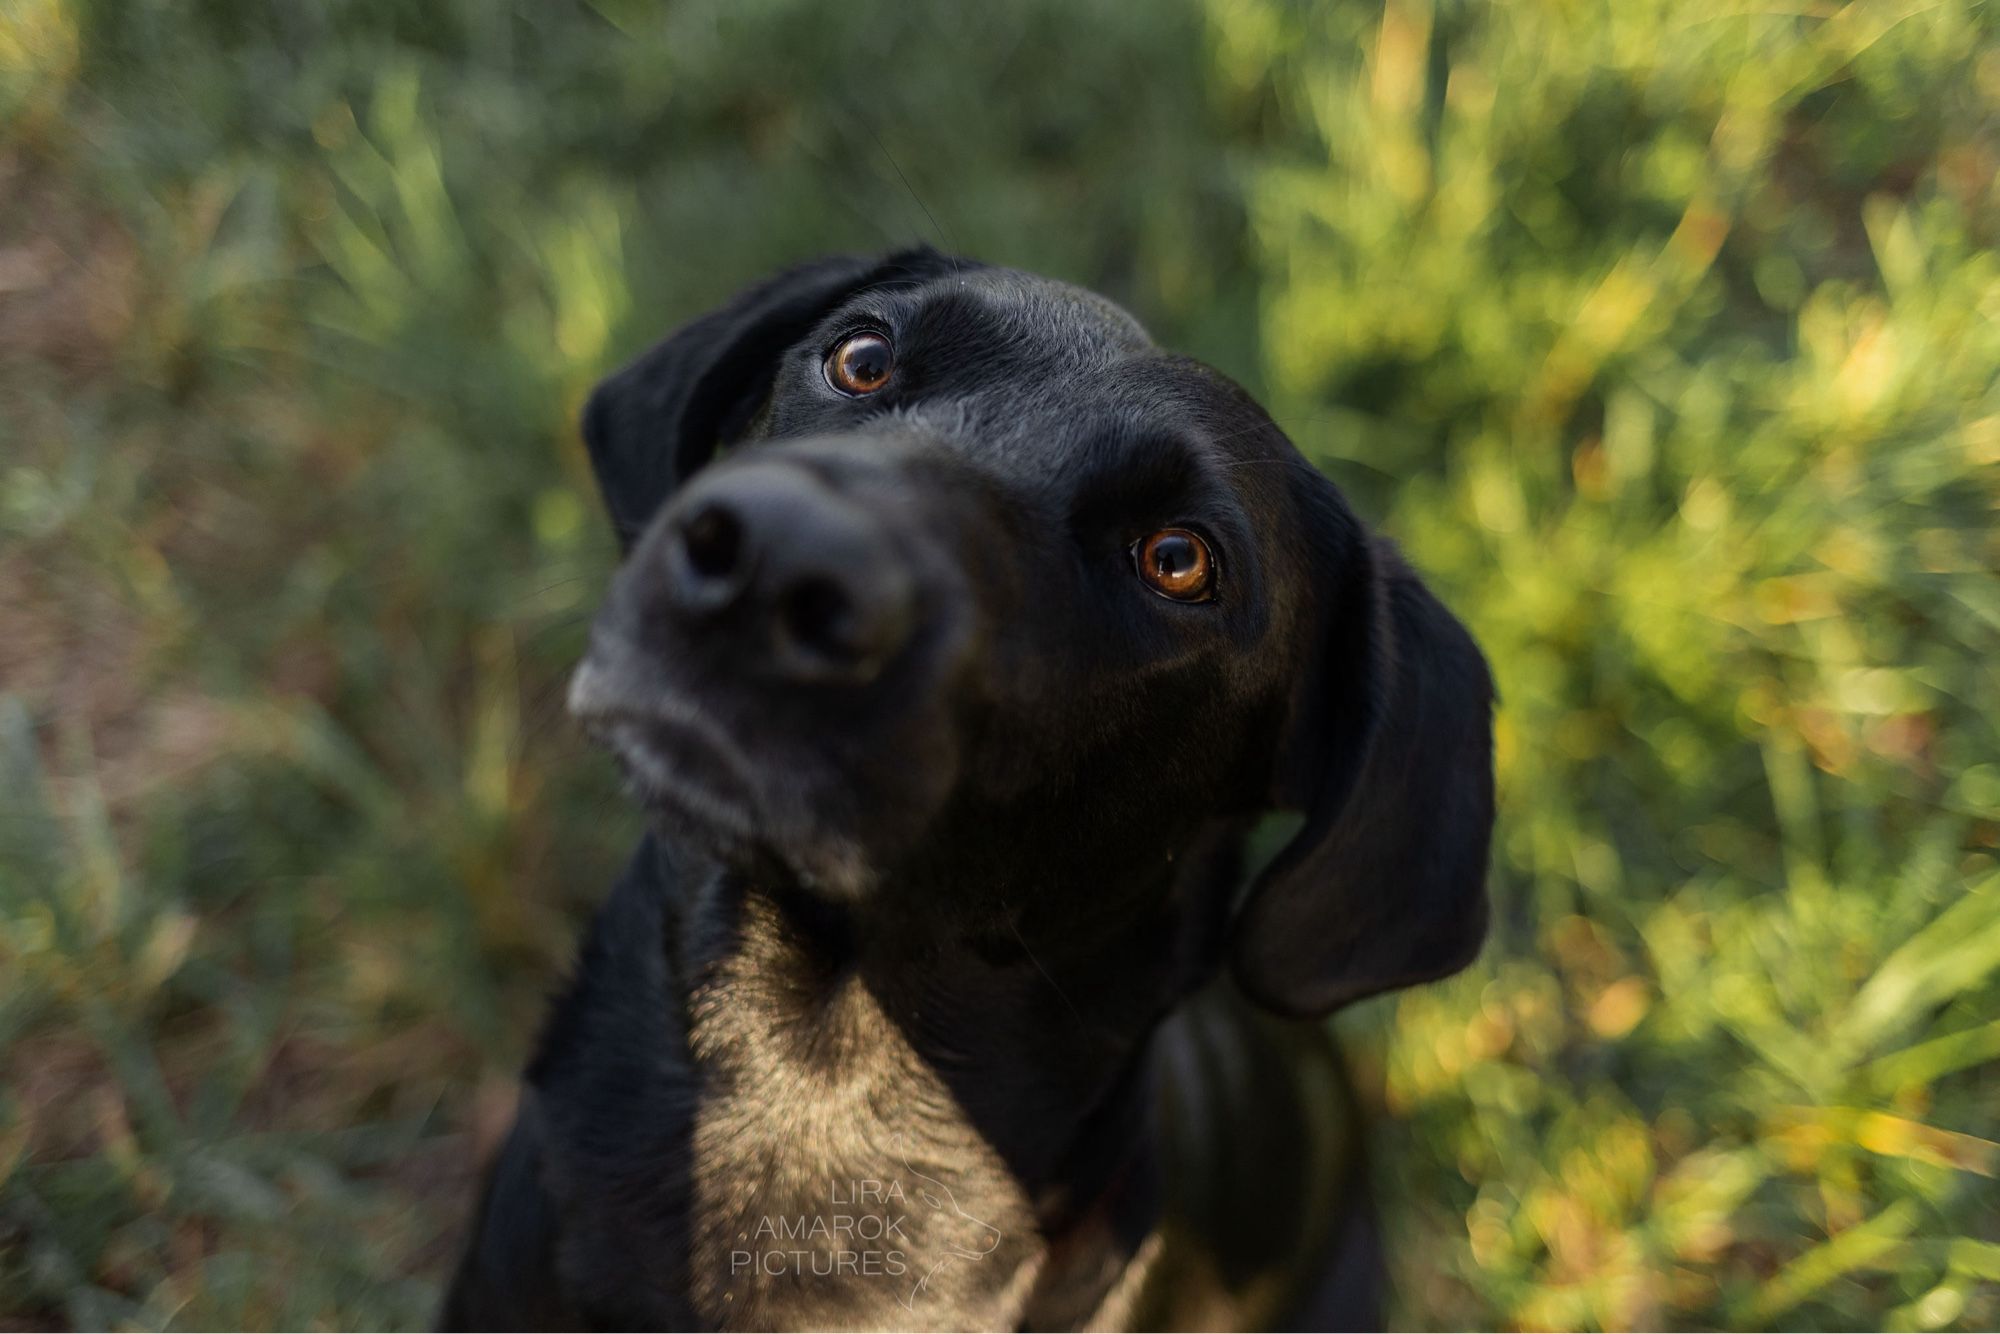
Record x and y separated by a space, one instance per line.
713 541
828 627
817 614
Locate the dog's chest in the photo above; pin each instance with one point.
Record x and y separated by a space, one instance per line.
835 1183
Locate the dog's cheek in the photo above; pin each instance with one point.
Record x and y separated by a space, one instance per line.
843 820
917 775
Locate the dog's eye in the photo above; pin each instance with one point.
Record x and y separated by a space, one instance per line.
1176 564
860 364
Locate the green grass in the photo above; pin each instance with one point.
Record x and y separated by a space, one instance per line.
1665 337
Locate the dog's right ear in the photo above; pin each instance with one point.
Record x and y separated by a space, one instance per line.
1390 755
653 423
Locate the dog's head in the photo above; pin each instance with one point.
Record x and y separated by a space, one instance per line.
939 574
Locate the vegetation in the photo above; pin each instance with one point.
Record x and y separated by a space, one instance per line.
1665 336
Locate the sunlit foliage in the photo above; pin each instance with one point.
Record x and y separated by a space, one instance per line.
1664 336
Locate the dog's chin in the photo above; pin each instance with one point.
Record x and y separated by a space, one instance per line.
705 796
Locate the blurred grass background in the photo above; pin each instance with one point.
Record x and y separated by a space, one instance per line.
1666 336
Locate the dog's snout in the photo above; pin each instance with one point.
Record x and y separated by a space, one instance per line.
780 569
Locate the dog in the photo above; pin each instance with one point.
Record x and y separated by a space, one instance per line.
961 638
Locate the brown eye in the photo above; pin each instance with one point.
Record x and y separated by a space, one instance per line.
1176 564
860 364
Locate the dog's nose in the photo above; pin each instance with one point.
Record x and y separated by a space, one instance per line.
775 564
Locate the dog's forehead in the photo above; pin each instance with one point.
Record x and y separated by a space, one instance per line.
1047 385
1047 312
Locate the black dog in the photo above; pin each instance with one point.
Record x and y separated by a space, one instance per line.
952 691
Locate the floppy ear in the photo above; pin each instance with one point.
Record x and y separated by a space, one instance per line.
1390 754
656 421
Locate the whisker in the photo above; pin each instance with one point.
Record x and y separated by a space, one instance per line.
839 191
1046 974
950 244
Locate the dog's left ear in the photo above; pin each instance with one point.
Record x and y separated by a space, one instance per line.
1389 752
653 423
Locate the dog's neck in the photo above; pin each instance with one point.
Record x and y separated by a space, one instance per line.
880 1064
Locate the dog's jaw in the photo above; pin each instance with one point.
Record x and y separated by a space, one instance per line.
689 774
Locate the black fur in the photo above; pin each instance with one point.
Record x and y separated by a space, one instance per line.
936 928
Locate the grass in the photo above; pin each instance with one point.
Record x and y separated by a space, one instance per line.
1664 337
